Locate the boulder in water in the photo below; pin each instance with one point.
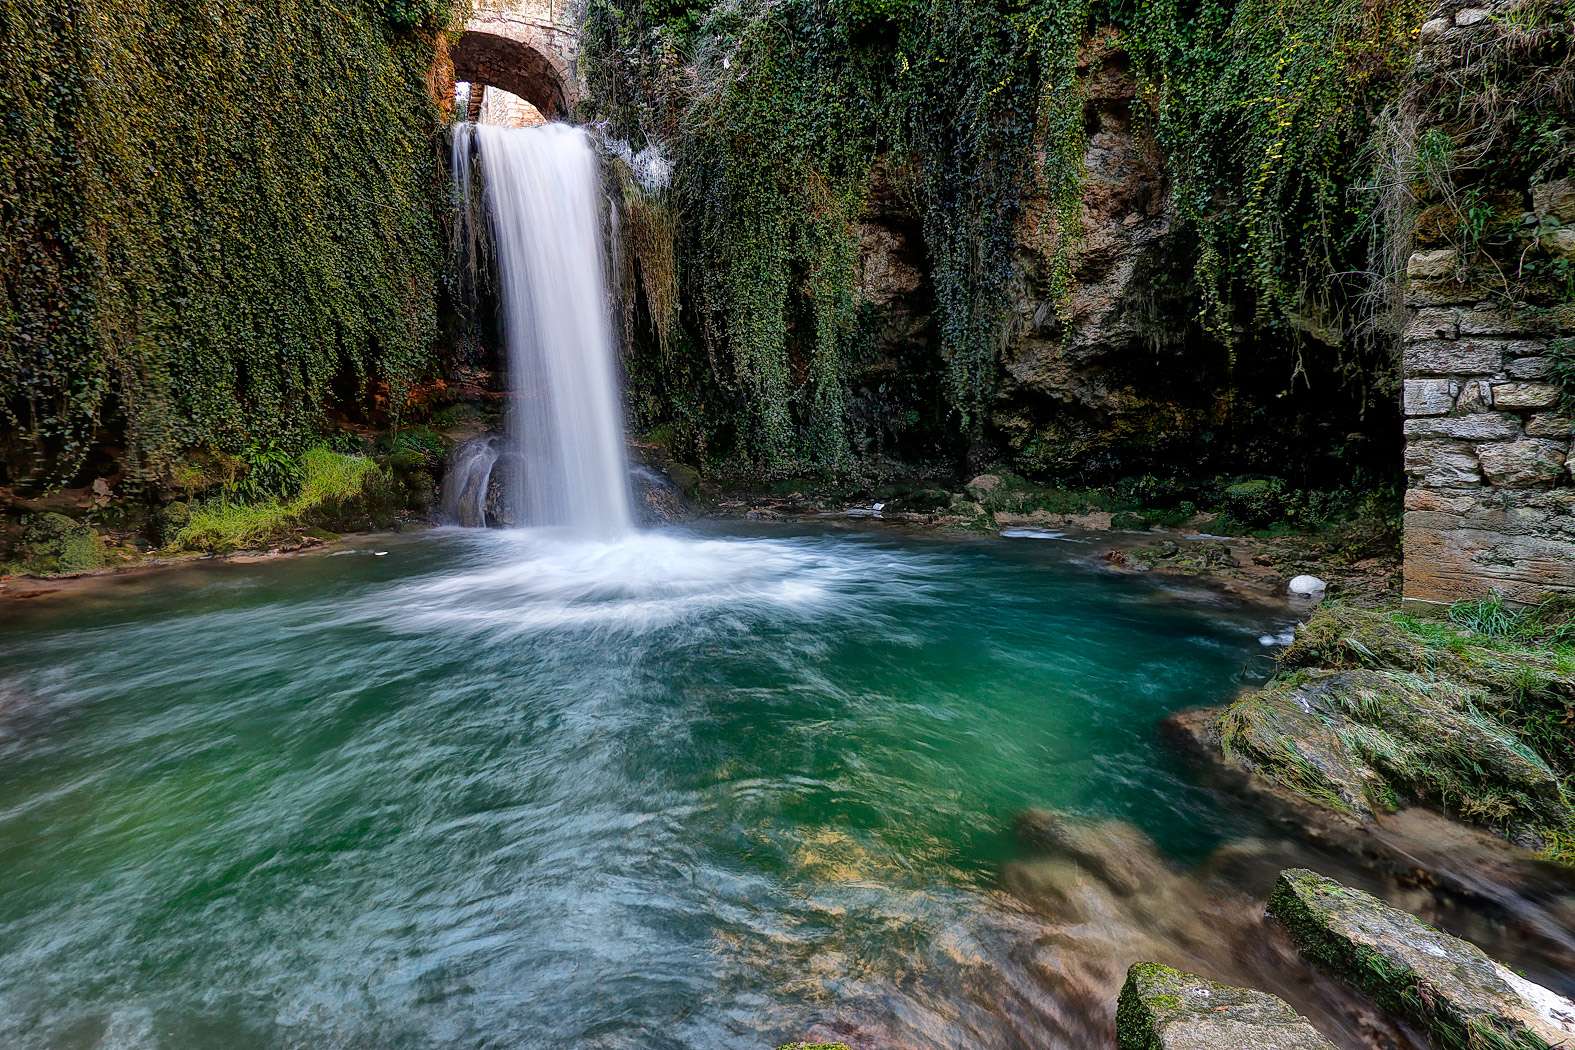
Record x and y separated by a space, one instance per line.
658 499
1444 984
1162 1008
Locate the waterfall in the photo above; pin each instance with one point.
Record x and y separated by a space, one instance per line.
544 200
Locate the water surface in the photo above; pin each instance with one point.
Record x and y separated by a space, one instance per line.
698 789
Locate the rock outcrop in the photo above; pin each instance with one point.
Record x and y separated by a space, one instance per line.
1446 985
1162 1008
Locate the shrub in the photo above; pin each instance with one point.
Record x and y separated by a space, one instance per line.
226 524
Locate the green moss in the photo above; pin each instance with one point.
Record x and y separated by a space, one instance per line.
226 525
1375 709
55 545
1320 915
215 217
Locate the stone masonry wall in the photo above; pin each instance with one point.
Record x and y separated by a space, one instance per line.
1490 505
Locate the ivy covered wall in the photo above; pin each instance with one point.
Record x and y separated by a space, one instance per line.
784 119
216 217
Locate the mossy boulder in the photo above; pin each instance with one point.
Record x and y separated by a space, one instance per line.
54 545
1256 501
1374 710
1162 1008
1363 741
1449 987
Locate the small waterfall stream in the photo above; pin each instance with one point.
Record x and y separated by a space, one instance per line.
544 200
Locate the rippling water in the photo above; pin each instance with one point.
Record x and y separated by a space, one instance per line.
505 789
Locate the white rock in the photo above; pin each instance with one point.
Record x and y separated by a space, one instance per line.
1305 586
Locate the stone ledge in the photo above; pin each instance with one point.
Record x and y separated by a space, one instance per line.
1162 1008
1448 986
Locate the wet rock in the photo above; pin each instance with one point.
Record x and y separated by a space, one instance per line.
658 499
1361 741
1446 985
982 486
508 475
1162 1008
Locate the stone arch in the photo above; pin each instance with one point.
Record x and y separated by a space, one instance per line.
519 54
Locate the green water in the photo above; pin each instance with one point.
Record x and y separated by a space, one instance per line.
501 789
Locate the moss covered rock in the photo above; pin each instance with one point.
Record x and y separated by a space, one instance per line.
1462 998
53 544
1162 1008
1376 710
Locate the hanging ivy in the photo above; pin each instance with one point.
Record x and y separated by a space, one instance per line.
214 216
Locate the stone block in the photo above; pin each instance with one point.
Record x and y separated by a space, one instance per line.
1554 200
1550 425
1477 426
1495 320
1162 1008
1476 397
1432 323
1516 464
1431 265
1443 357
1525 395
1430 397
1528 368
1442 464
1446 986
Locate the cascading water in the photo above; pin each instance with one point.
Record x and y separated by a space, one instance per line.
544 200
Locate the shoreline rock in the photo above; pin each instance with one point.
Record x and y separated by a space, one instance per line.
1163 1008
1450 987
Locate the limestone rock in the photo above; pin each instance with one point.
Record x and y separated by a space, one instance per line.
1428 356
982 486
1555 200
1434 29
1446 985
1429 397
1529 368
1431 264
1530 461
1356 742
1476 426
1550 425
1470 16
1441 464
1162 1008
1525 395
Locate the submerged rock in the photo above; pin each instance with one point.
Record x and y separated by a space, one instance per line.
1446 985
1162 1008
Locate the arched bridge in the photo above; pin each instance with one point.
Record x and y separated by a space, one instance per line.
527 47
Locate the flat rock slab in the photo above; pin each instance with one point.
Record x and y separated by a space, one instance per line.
1162 1008
1449 986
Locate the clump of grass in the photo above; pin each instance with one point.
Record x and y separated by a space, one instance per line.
227 523
1475 715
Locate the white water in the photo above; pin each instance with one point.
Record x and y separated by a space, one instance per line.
544 199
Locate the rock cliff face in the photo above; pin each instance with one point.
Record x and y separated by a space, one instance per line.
1107 373
1097 371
